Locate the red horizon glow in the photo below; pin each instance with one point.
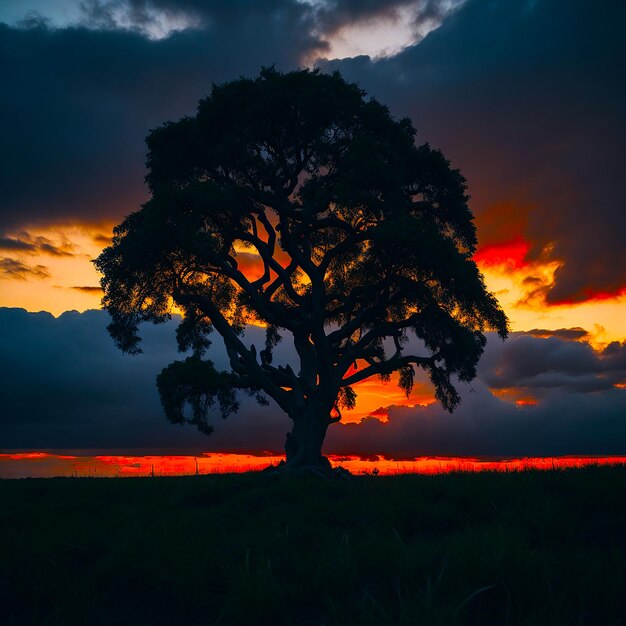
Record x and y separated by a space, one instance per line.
45 465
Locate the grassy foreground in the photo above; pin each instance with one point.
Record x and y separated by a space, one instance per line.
519 548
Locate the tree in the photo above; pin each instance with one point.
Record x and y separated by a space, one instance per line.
293 201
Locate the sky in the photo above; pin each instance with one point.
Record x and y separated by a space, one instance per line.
526 97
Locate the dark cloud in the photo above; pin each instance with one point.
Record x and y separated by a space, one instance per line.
88 289
49 248
79 101
17 270
563 333
614 356
528 99
102 240
483 425
36 245
6 243
66 386
537 366
327 15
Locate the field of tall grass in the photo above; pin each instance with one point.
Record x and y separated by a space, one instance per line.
519 548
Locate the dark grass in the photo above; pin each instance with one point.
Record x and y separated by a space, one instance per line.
521 548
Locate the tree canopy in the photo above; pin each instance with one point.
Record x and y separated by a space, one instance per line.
294 201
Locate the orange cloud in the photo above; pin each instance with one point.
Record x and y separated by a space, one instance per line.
520 397
14 269
521 284
535 274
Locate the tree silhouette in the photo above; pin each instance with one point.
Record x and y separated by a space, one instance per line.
293 201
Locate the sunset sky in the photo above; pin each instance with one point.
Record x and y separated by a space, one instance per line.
526 97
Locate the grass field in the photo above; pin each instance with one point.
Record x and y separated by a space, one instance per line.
518 548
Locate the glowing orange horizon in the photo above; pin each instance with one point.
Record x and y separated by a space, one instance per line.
42 464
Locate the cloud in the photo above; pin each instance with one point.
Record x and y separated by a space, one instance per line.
81 100
88 289
614 357
535 367
36 245
527 99
66 386
562 333
483 425
17 270
380 29
140 17
102 240
336 14
6 243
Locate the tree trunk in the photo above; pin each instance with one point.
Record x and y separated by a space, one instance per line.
303 445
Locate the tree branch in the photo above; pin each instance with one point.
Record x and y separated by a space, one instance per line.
242 360
388 367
